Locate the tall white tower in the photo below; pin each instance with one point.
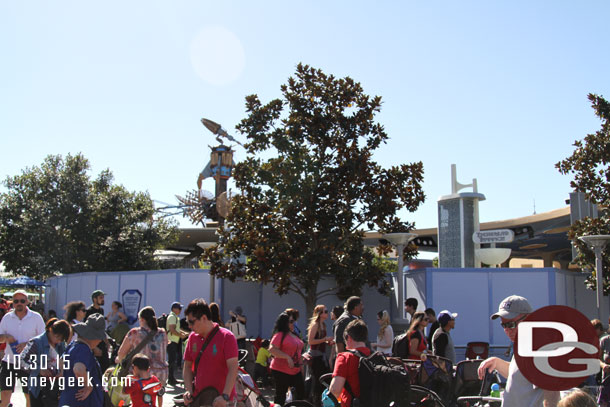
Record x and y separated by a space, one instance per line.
458 219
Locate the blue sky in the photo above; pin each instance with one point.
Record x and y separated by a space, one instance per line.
498 88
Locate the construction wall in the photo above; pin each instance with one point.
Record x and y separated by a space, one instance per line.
475 294
159 288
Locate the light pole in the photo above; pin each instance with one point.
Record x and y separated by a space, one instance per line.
220 167
206 245
597 243
400 241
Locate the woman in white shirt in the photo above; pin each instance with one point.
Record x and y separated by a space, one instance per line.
385 337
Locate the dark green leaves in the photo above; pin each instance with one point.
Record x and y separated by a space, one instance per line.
309 186
55 219
590 166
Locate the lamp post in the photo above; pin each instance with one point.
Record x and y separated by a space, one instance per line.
219 167
400 241
206 245
597 243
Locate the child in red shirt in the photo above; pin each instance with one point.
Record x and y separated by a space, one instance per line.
143 387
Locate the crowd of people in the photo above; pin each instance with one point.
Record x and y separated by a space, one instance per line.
85 344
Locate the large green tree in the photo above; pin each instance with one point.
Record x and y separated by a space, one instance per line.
309 187
56 219
590 166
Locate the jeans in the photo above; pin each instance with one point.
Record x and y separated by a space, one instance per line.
319 366
173 355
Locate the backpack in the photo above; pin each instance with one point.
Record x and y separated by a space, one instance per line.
381 383
400 346
162 321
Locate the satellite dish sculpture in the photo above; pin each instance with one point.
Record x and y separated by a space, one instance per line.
220 167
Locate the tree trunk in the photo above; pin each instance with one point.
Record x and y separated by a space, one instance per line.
311 295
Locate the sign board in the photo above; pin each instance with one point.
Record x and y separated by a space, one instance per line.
493 236
131 305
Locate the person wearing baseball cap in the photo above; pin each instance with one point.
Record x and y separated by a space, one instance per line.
174 334
81 363
442 343
519 391
101 353
16 329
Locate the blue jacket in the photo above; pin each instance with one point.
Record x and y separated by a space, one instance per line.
39 345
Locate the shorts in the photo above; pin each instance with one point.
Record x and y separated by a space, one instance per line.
9 372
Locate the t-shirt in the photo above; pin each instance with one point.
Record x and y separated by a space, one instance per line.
290 345
155 349
212 369
384 344
172 319
443 345
80 352
22 330
263 356
340 325
139 387
520 392
422 344
346 365
92 310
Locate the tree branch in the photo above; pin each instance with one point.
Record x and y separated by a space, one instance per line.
355 228
324 292
325 295
297 289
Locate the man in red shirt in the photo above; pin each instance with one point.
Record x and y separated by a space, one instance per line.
217 365
346 364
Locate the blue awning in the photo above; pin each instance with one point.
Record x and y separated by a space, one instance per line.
21 282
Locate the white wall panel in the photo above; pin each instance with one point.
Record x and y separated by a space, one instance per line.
161 291
193 284
466 293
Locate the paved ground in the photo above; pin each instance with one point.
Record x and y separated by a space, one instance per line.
18 399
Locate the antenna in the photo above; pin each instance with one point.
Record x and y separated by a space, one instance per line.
534 206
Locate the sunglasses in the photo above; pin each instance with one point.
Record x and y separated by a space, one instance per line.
191 321
325 311
19 301
511 324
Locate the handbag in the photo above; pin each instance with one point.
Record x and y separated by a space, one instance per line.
205 398
208 394
126 363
